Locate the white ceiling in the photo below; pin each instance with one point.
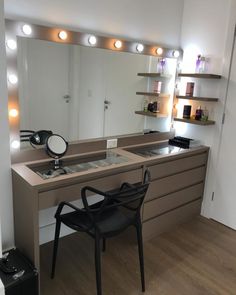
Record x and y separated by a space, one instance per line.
156 21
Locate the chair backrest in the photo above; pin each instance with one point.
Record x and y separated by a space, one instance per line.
129 196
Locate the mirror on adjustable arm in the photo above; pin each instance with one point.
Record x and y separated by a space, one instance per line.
70 83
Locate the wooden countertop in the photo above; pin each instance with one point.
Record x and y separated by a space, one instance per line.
134 161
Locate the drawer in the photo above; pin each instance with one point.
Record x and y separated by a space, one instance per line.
171 184
173 167
161 205
72 192
168 221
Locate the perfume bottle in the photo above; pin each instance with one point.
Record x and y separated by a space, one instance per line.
198 64
198 114
161 65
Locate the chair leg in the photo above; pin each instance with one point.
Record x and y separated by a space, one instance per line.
140 250
55 247
103 245
98 265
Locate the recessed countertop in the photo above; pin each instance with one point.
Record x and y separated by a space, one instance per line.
88 165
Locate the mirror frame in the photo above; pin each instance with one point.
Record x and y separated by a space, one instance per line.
14 30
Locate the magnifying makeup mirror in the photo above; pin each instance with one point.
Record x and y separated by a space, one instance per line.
56 147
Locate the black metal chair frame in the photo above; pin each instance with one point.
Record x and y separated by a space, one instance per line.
128 197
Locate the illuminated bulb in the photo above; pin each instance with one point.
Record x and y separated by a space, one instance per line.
92 40
11 44
62 35
159 51
175 53
13 113
12 79
15 144
27 30
118 44
140 47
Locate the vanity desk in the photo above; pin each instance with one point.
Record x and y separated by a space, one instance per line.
174 195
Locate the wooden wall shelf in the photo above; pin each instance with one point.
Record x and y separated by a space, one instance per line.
160 95
198 98
154 75
203 76
195 122
151 114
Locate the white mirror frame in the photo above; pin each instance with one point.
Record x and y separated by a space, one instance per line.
16 29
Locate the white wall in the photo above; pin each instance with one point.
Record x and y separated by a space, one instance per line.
152 20
6 211
204 31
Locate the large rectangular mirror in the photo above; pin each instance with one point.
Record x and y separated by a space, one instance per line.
83 92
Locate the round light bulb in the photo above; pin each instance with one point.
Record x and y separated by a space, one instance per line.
27 30
118 44
140 48
175 53
15 144
13 113
159 51
92 40
12 79
62 35
11 44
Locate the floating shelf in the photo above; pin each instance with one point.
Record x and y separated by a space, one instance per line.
154 75
196 75
160 95
151 114
195 122
209 99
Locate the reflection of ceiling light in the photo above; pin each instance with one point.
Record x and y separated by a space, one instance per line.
92 40
11 44
62 35
118 44
13 113
15 144
140 47
12 79
27 30
175 53
159 51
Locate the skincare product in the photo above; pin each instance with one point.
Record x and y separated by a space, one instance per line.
189 89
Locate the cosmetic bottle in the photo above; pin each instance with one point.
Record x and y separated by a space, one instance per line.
198 64
198 114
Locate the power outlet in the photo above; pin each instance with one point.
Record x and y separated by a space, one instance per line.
112 143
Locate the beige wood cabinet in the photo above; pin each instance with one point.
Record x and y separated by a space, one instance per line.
174 194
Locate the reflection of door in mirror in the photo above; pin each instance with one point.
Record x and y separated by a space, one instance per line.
43 73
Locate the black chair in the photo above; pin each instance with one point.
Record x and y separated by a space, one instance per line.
117 211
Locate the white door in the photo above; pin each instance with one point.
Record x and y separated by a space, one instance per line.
122 83
43 70
224 204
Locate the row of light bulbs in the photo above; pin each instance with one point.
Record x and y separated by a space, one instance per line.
92 40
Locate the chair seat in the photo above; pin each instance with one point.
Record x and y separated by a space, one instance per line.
110 222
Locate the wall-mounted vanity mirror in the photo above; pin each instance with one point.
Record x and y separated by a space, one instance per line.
86 92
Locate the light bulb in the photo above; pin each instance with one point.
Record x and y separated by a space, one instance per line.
13 113
11 44
175 53
118 44
13 79
140 48
15 144
92 40
27 30
62 35
159 51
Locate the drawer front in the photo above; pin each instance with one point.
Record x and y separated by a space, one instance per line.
72 192
161 205
173 167
171 184
166 222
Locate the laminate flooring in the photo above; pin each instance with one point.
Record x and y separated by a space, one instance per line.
195 258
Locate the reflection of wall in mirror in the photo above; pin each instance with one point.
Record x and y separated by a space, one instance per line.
49 71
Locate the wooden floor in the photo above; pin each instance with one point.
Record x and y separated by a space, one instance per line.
195 258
